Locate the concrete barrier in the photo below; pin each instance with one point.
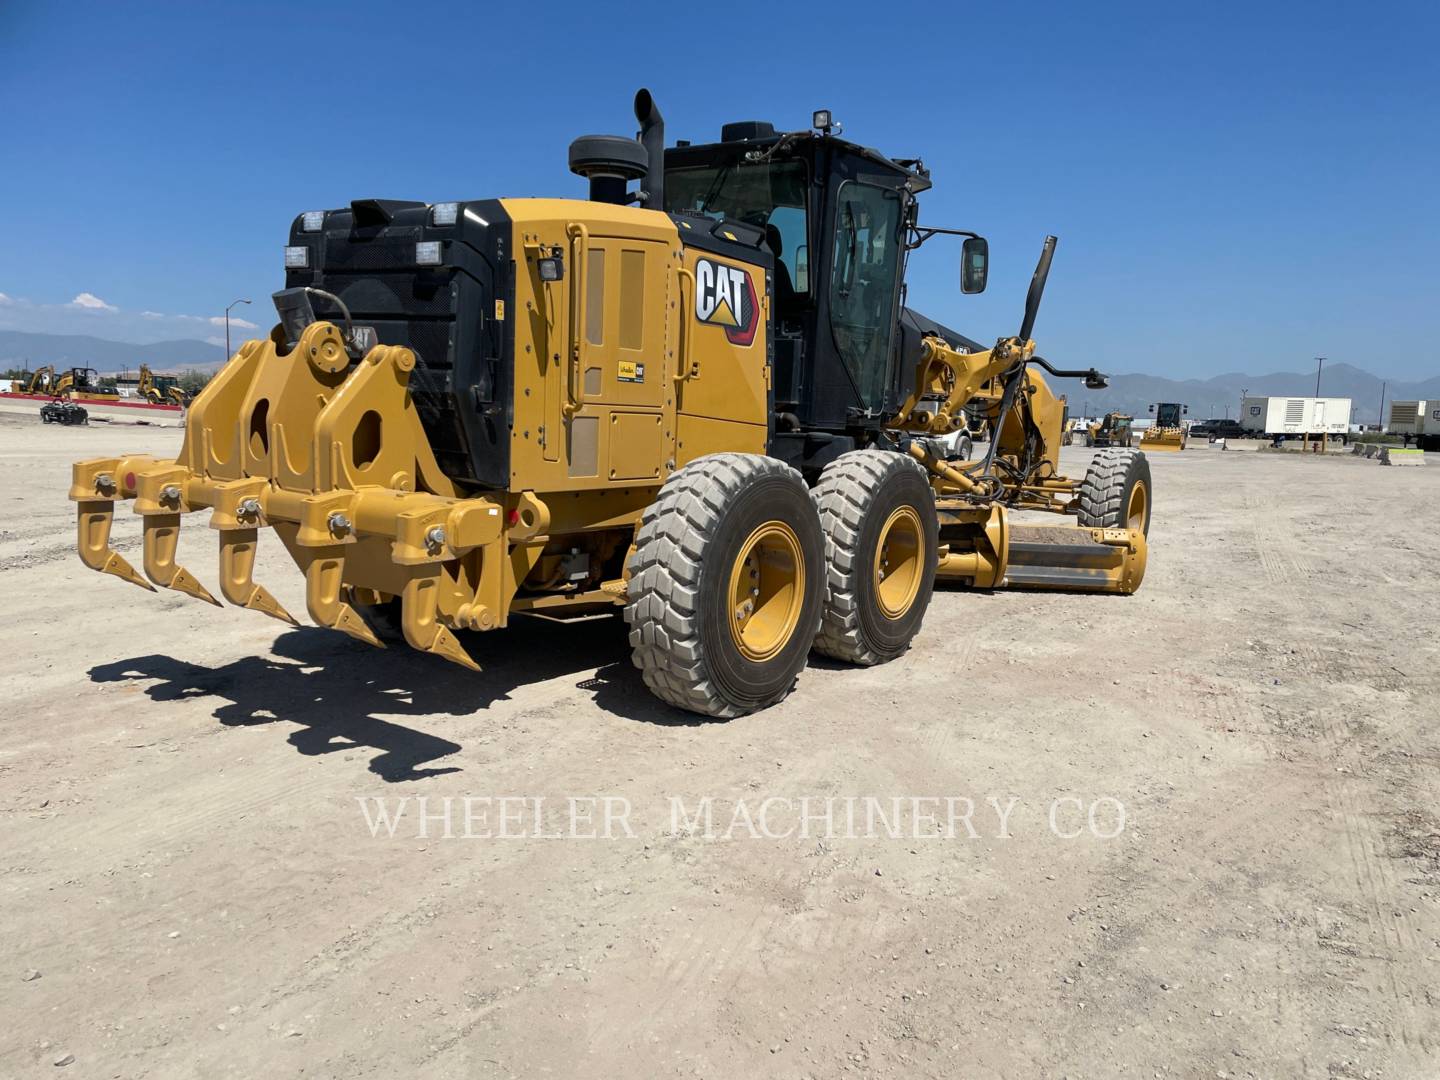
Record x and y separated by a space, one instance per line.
1393 455
1372 450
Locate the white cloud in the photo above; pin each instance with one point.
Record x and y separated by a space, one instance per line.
92 302
235 320
89 314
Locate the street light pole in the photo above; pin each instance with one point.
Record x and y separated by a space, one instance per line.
1319 363
227 325
1381 425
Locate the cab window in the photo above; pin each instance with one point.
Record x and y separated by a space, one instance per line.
770 196
864 271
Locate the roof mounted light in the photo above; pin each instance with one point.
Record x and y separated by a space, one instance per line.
823 121
297 257
312 220
444 213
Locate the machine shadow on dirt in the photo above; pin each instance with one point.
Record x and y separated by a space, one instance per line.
312 680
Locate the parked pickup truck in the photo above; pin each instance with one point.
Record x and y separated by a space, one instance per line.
1221 429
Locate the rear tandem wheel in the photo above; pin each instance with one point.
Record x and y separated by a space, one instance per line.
881 543
725 585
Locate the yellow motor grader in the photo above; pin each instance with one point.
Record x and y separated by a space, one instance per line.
701 401
1168 432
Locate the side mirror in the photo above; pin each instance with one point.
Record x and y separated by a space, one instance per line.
1152 408
1185 409
974 264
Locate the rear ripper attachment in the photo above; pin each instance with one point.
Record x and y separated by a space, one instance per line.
331 455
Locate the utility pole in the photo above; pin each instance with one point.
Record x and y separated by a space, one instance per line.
1319 363
1381 426
228 353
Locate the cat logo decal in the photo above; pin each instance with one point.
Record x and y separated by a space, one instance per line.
725 296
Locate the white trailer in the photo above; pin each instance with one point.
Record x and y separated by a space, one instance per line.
1295 417
1419 419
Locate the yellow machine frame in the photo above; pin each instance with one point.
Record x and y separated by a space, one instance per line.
330 452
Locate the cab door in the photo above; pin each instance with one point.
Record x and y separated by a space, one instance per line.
722 373
864 281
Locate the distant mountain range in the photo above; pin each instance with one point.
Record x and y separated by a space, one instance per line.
1127 393
1135 394
21 349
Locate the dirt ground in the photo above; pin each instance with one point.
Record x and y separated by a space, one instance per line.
190 870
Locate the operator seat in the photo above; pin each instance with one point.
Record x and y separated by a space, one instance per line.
784 287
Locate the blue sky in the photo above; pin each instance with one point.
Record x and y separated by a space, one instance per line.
1235 186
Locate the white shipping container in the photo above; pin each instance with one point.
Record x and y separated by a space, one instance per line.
1295 415
1414 417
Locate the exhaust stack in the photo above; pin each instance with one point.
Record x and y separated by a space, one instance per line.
652 137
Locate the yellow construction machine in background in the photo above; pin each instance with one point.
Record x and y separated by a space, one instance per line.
1114 430
40 381
1168 432
162 390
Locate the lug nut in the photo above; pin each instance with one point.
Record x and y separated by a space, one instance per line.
339 523
435 536
249 507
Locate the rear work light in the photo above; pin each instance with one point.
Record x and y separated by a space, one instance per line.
312 220
427 253
297 258
444 213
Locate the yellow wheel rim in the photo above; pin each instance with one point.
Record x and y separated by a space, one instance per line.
767 591
1139 504
898 565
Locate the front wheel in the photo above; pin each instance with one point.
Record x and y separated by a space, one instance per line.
725 585
881 543
1115 493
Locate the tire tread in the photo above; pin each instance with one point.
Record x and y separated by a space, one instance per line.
663 610
1102 492
843 495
